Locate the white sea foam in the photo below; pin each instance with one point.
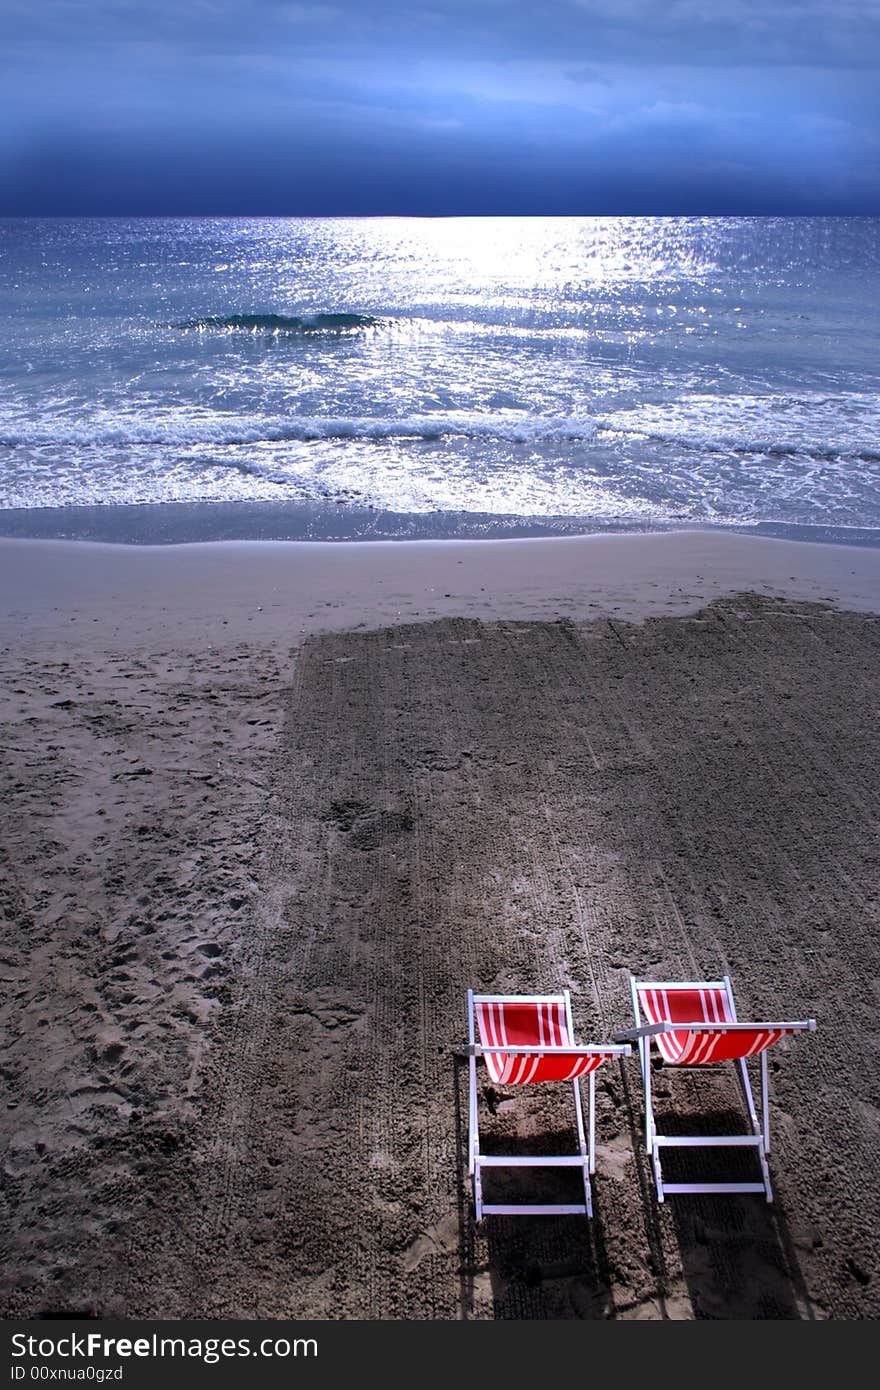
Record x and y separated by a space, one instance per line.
184 428
632 370
814 425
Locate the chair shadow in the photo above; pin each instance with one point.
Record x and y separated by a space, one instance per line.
737 1255
543 1267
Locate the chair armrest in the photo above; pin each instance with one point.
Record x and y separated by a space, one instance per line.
592 1050
648 1030
651 1030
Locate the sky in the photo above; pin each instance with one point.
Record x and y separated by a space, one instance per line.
450 107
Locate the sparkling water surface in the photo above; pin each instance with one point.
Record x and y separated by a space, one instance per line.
617 373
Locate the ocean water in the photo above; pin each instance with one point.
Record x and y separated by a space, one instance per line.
469 374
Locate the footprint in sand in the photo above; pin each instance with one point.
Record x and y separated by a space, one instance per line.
439 1239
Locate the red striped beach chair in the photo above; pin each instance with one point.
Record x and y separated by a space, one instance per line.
694 1024
526 1039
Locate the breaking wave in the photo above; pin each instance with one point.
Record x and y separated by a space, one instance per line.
280 323
184 431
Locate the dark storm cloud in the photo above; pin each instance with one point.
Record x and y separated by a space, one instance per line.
823 32
455 105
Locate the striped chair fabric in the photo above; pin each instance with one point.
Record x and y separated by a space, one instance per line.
700 1004
529 1024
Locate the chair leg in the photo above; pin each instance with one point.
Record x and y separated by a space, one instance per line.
473 1123
650 1127
592 1146
473 1133
760 1128
747 1093
645 1058
765 1101
579 1120
658 1174
588 1195
765 1122
478 1192
584 1148
474 1140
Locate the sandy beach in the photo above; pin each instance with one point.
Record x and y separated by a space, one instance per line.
268 810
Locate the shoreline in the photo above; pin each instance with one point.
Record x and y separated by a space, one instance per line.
344 520
279 592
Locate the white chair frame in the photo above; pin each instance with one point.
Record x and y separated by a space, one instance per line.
759 1138
584 1159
